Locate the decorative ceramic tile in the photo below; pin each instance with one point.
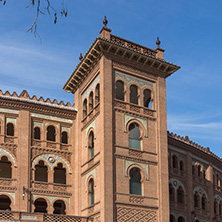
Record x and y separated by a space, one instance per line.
92 125
4 152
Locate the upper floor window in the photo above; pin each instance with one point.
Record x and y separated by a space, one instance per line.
37 133
172 218
64 137
59 207
134 136
175 162
41 172
220 208
196 200
134 94
135 181
204 202
120 90
91 191
90 101
147 98
10 129
60 174
171 189
180 195
199 171
181 219
40 205
85 108
91 144
97 96
181 165
193 169
5 168
215 206
51 133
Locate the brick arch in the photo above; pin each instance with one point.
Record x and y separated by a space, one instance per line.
42 197
200 191
142 171
176 184
9 155
9 195
65 202
57 159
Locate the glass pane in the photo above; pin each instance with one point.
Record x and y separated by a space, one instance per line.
135 188
133 143
133 94
120 90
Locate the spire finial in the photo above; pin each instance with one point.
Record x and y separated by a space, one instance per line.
158 42
80 57
105 22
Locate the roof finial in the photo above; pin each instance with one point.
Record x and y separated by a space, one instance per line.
105 22
158 42
80 57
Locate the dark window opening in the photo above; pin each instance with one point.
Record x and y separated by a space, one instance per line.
134 94
91 191
135 181
65 137
41 172
40 205
180 195
5 202
90 101
175 162
147 98
10 129
85 108
172 195
37 133
172 218
97 96
196 200
120 90
91 144
181 219
60 174
51 133
181 166
59 207
204 202
5 168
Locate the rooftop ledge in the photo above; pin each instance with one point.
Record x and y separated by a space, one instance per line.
117 46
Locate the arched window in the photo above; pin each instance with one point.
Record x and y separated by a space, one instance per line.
181 219
175 162
5 168
64 137
180 195
85 108
40 205
215 207
51 133
147 98
135 181
134 136
37 133
41 172
134 94
172 195
90 101
59 207
120 90
5 202
193 170
97 96
199 171
220 208
217 180
91 191
181 165
204 202
91 144
10 129
60 174
196 200
204 174
172 218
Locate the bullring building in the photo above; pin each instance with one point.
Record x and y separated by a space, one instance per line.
108 157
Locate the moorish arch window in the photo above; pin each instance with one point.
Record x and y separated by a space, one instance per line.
59 207
196 198
91 144
147 102
10 129
60 174
134 94
51 133
40 205
175 162
5 168
91 192
41 172
135 181
37 133
172 192
199 170
172 218
193 170
64 137
5 203
180 195
91 101
215 206
134 136
97 93
181 165
181 219
85 108
204 202
120 90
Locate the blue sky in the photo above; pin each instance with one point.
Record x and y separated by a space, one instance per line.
190 32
